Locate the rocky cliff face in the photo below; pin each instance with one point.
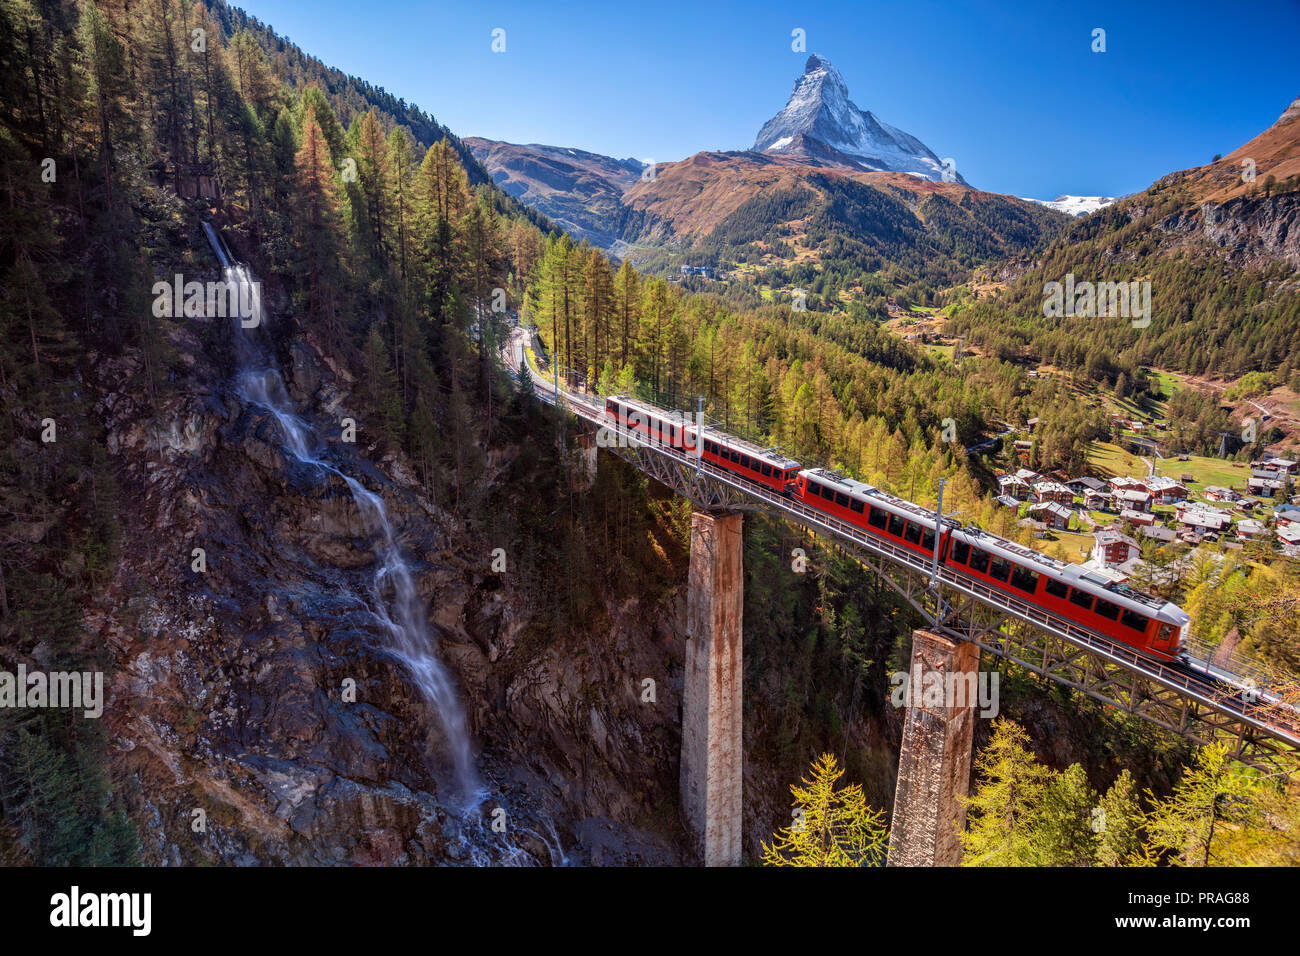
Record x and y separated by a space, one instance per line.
230 709
1253 231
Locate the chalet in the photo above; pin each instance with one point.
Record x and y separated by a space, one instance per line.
1007 501
1099 500
1203 521
1159 532
1249 529
1132 499
1031 424
1084 484
1284 465
1013 486
1112 547
1289 535
1219 493
1265 487
1023 445
1028 476
1166 491
1284 515
1051 514
1053 492
1137 517
1128 484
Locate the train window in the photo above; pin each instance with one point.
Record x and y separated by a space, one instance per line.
672 434
1000 569
767 470
1057 589
1134 620
1024 579
1081 598
927 540
878 518
841 499
857 506
896 525
735 456
1107 610
912 533
828 493
979 560
960 551
744 461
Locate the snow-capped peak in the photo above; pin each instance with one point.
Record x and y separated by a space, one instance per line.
1075 205
821 119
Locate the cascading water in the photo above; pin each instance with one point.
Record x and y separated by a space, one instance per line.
395 600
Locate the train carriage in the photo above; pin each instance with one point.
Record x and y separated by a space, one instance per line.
762 466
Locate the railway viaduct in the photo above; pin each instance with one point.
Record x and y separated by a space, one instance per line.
963 620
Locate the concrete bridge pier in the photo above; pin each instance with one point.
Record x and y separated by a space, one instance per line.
935 760
711 767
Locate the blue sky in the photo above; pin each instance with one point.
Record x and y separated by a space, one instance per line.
1011 91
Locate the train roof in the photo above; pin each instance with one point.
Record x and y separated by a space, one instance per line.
871 493
1075 574
771 456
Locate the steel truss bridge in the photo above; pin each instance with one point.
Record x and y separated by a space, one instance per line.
1260 728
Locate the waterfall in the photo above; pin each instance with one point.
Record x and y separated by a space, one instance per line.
395 600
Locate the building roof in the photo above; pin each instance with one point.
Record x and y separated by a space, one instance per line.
1054 487
1051 507
1205 519
1109 536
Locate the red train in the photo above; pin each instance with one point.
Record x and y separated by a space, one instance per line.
1149 624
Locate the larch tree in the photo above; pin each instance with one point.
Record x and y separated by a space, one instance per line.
831 827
